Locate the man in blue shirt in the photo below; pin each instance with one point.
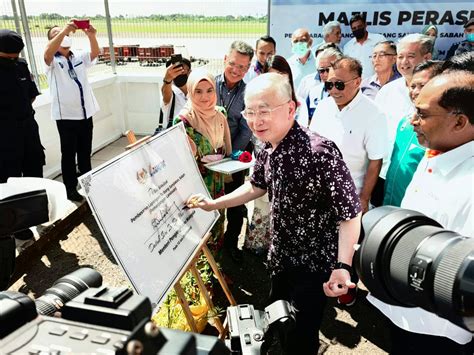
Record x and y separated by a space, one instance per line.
230 95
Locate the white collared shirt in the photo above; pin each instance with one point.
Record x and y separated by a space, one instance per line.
394 99
302 113
363 52
252 72
180 101
359 130
300 70
306 84
442 189
72 97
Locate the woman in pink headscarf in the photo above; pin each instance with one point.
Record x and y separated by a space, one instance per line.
209 135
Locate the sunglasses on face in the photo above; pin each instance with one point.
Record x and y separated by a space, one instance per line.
323 70
339 84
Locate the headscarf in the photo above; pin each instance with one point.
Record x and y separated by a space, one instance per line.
429 27
434 53
205 118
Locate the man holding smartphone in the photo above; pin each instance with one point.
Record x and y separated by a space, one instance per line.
72 100
174 89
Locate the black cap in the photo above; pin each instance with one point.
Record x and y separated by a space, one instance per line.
10 42
469 23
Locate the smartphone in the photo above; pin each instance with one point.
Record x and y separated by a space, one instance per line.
177 58
82 24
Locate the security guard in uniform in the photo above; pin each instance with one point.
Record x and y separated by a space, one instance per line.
21 153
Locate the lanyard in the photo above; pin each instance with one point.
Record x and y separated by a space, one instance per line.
232 98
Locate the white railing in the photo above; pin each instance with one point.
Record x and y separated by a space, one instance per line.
127 101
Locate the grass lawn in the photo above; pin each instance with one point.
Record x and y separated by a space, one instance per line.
131 26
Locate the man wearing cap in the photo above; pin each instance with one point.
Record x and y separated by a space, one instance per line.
465 46
72 100
21 153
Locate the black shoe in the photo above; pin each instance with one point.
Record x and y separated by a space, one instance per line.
75 196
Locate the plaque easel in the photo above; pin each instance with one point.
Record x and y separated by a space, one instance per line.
191 266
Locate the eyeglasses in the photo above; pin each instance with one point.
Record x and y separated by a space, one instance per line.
264 113
339 85
323 70
382 55
239 67
423 116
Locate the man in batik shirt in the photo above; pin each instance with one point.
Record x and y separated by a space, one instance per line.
315 209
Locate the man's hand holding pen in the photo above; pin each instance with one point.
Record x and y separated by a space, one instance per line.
200 201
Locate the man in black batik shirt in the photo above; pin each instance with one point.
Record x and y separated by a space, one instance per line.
315 209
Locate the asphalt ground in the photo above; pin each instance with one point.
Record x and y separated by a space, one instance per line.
356 330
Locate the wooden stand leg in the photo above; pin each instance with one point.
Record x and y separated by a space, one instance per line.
185 305
219 275
207 298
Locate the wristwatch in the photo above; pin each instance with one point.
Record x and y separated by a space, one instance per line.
166 82
341 265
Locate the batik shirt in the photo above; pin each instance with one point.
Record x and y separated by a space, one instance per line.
311 191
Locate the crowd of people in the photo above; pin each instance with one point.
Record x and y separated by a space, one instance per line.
335 131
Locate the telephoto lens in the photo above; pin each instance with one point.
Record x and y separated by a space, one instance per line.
407 259
66 288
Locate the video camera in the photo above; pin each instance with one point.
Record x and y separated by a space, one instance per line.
99 319
407 259
17 213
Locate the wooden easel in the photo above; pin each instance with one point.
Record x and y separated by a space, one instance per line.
191 266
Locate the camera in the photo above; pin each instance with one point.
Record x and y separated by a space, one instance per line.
17 213
407 259
99 319
251 331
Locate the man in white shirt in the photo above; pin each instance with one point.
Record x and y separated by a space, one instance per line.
394 97
72 100
442 189
311 89
358 127
362 45
384 58
354 123
302 62
331 34
174 91
264 49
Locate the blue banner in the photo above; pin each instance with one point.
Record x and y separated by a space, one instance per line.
393 19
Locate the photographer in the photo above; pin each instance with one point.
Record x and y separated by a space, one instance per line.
442 189
174 90
315 209
72 100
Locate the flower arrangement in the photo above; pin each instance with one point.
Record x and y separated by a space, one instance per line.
245 157
171 314
242 156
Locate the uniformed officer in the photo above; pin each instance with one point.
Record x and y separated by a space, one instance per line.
21 153
465 46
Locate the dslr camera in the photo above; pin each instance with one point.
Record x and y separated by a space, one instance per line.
102 320
407 259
